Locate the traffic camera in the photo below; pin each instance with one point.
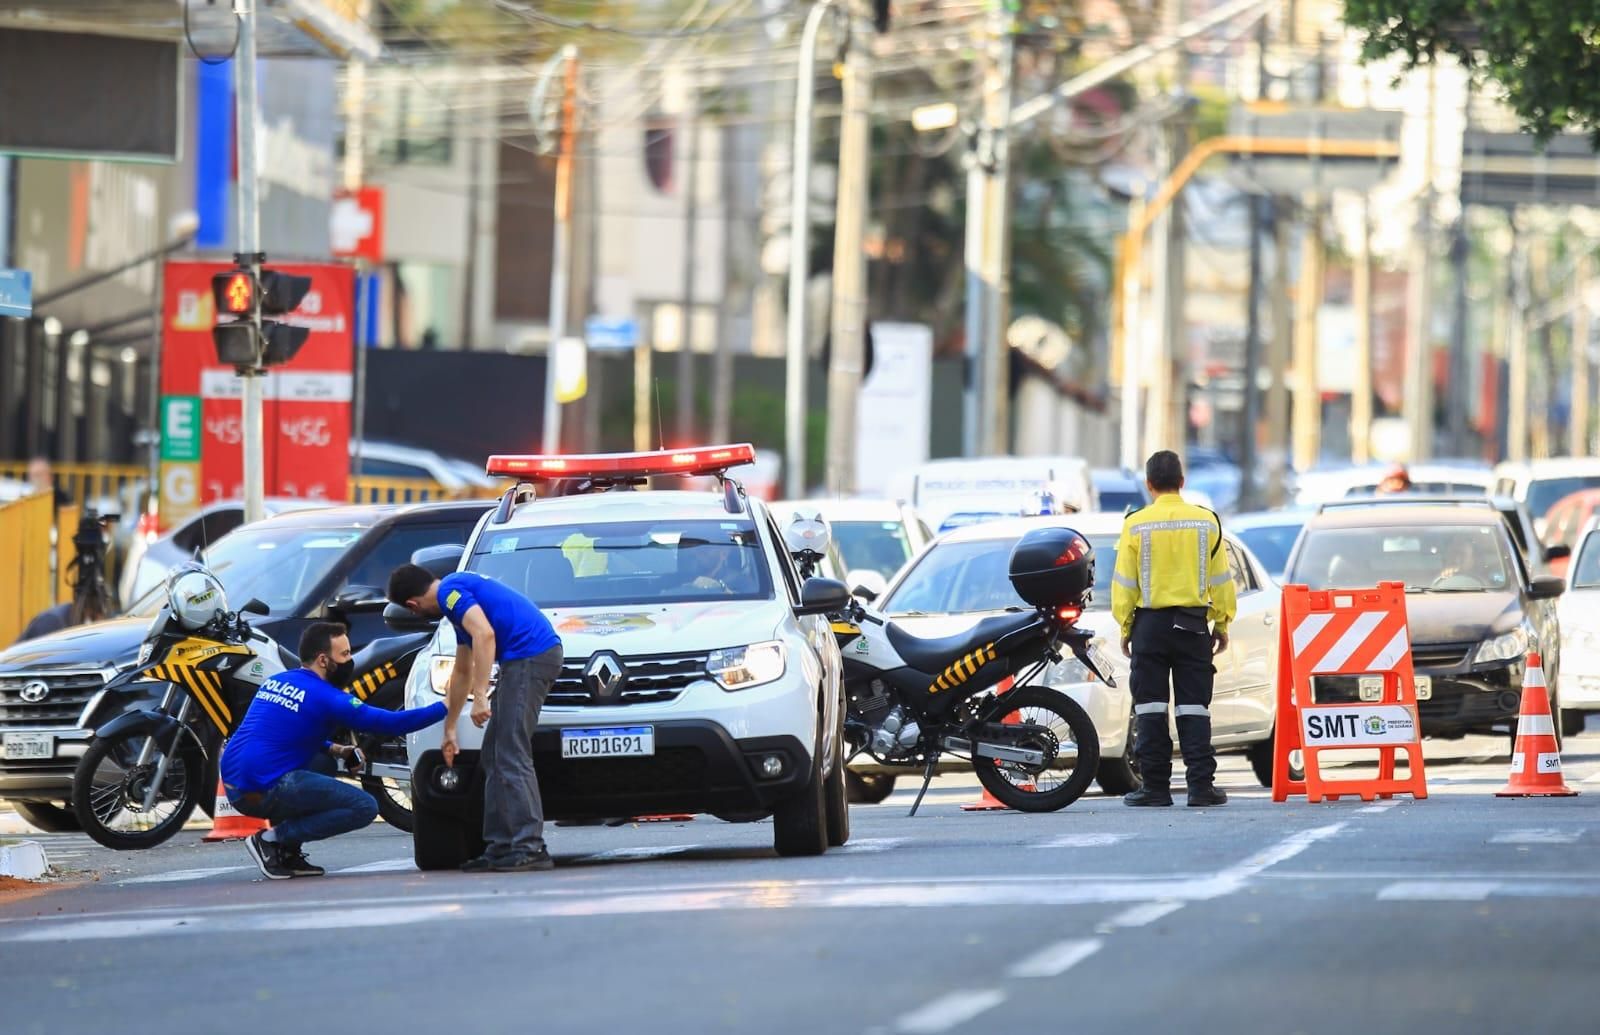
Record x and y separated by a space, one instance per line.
246 334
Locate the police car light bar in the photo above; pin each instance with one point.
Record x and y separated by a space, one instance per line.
699 461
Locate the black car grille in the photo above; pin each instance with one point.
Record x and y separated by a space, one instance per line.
1440 655
61 706
651 678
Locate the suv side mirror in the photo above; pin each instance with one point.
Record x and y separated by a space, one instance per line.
358 598
1546 587
1557 552
866 584
820 596
440 560
401 620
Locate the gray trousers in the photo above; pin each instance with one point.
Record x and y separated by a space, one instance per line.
513 815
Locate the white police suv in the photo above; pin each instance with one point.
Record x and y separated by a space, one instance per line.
700 675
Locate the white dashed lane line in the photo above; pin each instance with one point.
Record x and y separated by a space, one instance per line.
176 876
948 1011
1544 836
1055 960
1084 840
1139 916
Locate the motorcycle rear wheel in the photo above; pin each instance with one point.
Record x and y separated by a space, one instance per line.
1057 723
108 791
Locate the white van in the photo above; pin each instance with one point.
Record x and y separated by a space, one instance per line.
956 492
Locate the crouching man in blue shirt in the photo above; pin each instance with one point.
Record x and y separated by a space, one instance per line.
290 721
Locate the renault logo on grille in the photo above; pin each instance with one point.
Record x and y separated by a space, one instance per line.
604 677
35 691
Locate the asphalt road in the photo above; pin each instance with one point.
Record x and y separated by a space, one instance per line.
1461 913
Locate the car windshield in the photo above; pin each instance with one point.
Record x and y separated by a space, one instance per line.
628 562
960 578
1586 567
1428 559
1544 493
1425 488
277 565
1271 543
879 546
1120 501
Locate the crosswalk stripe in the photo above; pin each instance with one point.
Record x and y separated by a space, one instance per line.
381 866
867 845
1536 837
1438 891
176 876
1086 840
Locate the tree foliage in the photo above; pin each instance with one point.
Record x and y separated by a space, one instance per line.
1545 53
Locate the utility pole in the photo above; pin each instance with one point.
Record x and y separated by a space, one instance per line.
1419 304
1456 401
1578 425
1278 359
1132 338
849 269
796 354
985 416
1517 350
1306 418
1361 390
248 118
691 220
1251 403
561 246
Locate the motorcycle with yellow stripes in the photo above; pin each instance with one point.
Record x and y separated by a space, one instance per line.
915 699
151 764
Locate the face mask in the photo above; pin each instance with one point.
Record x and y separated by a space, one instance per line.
340 675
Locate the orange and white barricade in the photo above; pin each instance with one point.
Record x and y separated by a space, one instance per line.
1361 636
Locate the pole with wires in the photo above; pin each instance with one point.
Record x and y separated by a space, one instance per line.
849 323
249 118
561 249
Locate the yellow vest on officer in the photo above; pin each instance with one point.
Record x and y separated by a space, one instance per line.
1170 555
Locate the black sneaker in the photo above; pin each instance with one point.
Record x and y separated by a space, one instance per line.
1200 797
1158 796
295 861
523 862
482 864
268 857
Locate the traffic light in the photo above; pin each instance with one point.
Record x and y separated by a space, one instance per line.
244 304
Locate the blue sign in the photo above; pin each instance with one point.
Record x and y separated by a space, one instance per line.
611 332
16 293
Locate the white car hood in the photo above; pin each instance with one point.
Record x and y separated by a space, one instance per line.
663 628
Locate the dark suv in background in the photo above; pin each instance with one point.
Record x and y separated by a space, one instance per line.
1474 607
307 565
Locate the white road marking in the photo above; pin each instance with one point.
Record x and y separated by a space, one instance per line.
867 845
175 876
948 1011
1438 891
1543 836
1083 841
1140 915
1592 778
382 866
639 852
1283 851
1055 960
99 929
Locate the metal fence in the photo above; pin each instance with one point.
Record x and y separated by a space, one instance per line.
25 549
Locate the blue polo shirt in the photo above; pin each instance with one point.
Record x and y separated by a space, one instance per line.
520 629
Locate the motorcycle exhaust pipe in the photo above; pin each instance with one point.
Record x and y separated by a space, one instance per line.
998 752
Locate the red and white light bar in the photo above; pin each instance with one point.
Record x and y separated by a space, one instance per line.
701 460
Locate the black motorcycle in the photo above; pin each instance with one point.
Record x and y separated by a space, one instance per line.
972 696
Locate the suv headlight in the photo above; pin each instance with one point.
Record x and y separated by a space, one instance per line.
439 672
735 668
1506 647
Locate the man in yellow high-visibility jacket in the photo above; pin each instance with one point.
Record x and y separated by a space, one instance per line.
1173 595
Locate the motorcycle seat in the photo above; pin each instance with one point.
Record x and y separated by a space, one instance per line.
390 648
928 654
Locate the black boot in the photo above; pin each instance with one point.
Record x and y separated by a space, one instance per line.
1148 795
1206 794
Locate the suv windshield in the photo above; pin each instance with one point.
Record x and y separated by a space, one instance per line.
276 565
628 562
1436 558
959 578
1544 493
878 546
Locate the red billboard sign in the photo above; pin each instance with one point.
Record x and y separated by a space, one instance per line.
356 224
306 415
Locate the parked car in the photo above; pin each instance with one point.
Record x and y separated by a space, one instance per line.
1519 523
1427 480
391 460
1578 683
1120 490
149 559
305 566
963 578
1270 535
1540 484
872 539
955 492
1566 521
1474 607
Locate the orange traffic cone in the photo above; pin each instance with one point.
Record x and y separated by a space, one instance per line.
228 823
1536 759
987 802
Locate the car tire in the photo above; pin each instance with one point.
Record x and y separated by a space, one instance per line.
800 824
48 817
439 841
868 788
1119 775
1260 756
838 796
1572 722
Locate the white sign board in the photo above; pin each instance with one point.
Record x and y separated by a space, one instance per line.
892 418
1358 725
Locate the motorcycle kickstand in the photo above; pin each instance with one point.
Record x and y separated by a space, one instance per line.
927 778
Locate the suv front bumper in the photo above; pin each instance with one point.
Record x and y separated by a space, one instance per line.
697 767
45 779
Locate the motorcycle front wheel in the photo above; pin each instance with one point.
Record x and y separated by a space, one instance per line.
111 784
1044 720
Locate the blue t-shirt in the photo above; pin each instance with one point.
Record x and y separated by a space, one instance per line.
520 629
290 721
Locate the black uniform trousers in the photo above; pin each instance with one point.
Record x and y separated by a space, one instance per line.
1172 659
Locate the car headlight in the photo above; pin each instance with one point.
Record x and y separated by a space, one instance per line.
439 672
735 668
1506 647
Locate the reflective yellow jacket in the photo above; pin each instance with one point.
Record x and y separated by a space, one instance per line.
1170 555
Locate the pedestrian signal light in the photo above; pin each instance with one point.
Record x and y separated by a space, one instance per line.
239 293
281 293
688 462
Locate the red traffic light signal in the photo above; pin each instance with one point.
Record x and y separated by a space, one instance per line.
242 342
235 292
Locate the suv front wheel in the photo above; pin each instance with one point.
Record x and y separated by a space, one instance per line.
800 824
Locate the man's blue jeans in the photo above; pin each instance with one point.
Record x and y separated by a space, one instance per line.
305 806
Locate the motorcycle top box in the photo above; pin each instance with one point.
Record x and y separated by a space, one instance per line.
1053 567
